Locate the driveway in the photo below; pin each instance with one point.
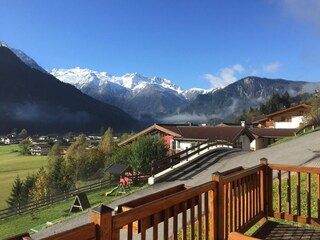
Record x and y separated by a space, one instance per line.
301 151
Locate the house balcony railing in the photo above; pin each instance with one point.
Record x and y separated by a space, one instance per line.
232 202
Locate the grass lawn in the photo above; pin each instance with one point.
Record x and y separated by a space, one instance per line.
12 163
56 213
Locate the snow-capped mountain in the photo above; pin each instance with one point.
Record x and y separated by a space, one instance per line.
82 77
133 92
24 57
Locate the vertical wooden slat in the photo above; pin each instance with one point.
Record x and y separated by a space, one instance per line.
225 214
298 184
192 219
318 190
166 224
259 191
184 220
279 191
206 216
199 217
247 200
263 186
175 222
220 206
242 183
251 196
231 206
309 196
155 225
238 204
129 233
289 192
213 205
256 203
144 223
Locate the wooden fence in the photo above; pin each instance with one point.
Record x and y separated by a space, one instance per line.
52 199
231 203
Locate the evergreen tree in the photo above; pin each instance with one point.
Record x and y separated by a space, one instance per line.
16 196
29 183
58 178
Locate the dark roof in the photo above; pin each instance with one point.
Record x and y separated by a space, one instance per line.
195 133
228 133
118 168
272 132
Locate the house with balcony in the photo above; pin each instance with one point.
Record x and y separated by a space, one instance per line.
289 118
182 137
40 149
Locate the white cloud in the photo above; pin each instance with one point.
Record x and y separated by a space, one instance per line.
303 10
271 68
225 76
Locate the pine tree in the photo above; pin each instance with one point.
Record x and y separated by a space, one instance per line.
27 186
16 195
58 178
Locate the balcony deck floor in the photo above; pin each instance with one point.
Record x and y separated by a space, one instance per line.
279 231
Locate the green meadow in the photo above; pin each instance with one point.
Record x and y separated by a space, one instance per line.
12 164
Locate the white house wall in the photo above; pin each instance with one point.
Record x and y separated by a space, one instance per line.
295 123
245 141
185 145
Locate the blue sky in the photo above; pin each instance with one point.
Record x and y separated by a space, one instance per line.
204 44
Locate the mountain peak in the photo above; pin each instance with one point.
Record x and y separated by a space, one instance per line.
23 57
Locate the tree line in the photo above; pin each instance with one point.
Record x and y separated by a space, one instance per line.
81 163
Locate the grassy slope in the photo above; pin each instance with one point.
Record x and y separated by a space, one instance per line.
12 163
57 213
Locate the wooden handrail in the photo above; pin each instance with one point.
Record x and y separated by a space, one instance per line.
148 209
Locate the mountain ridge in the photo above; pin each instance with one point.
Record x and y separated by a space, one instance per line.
39 102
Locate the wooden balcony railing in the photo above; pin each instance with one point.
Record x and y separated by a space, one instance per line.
223 208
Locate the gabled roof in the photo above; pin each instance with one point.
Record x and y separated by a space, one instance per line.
170 130
228 133
272 132
265 117
195 133
118 168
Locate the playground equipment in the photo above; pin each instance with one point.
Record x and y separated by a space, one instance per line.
121 188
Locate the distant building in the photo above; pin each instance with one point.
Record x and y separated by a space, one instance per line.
40 149
289 118
181 137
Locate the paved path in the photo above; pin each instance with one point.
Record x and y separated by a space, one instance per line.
304 150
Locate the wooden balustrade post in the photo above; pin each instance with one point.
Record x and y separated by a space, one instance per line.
268 188
220 225
101 216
